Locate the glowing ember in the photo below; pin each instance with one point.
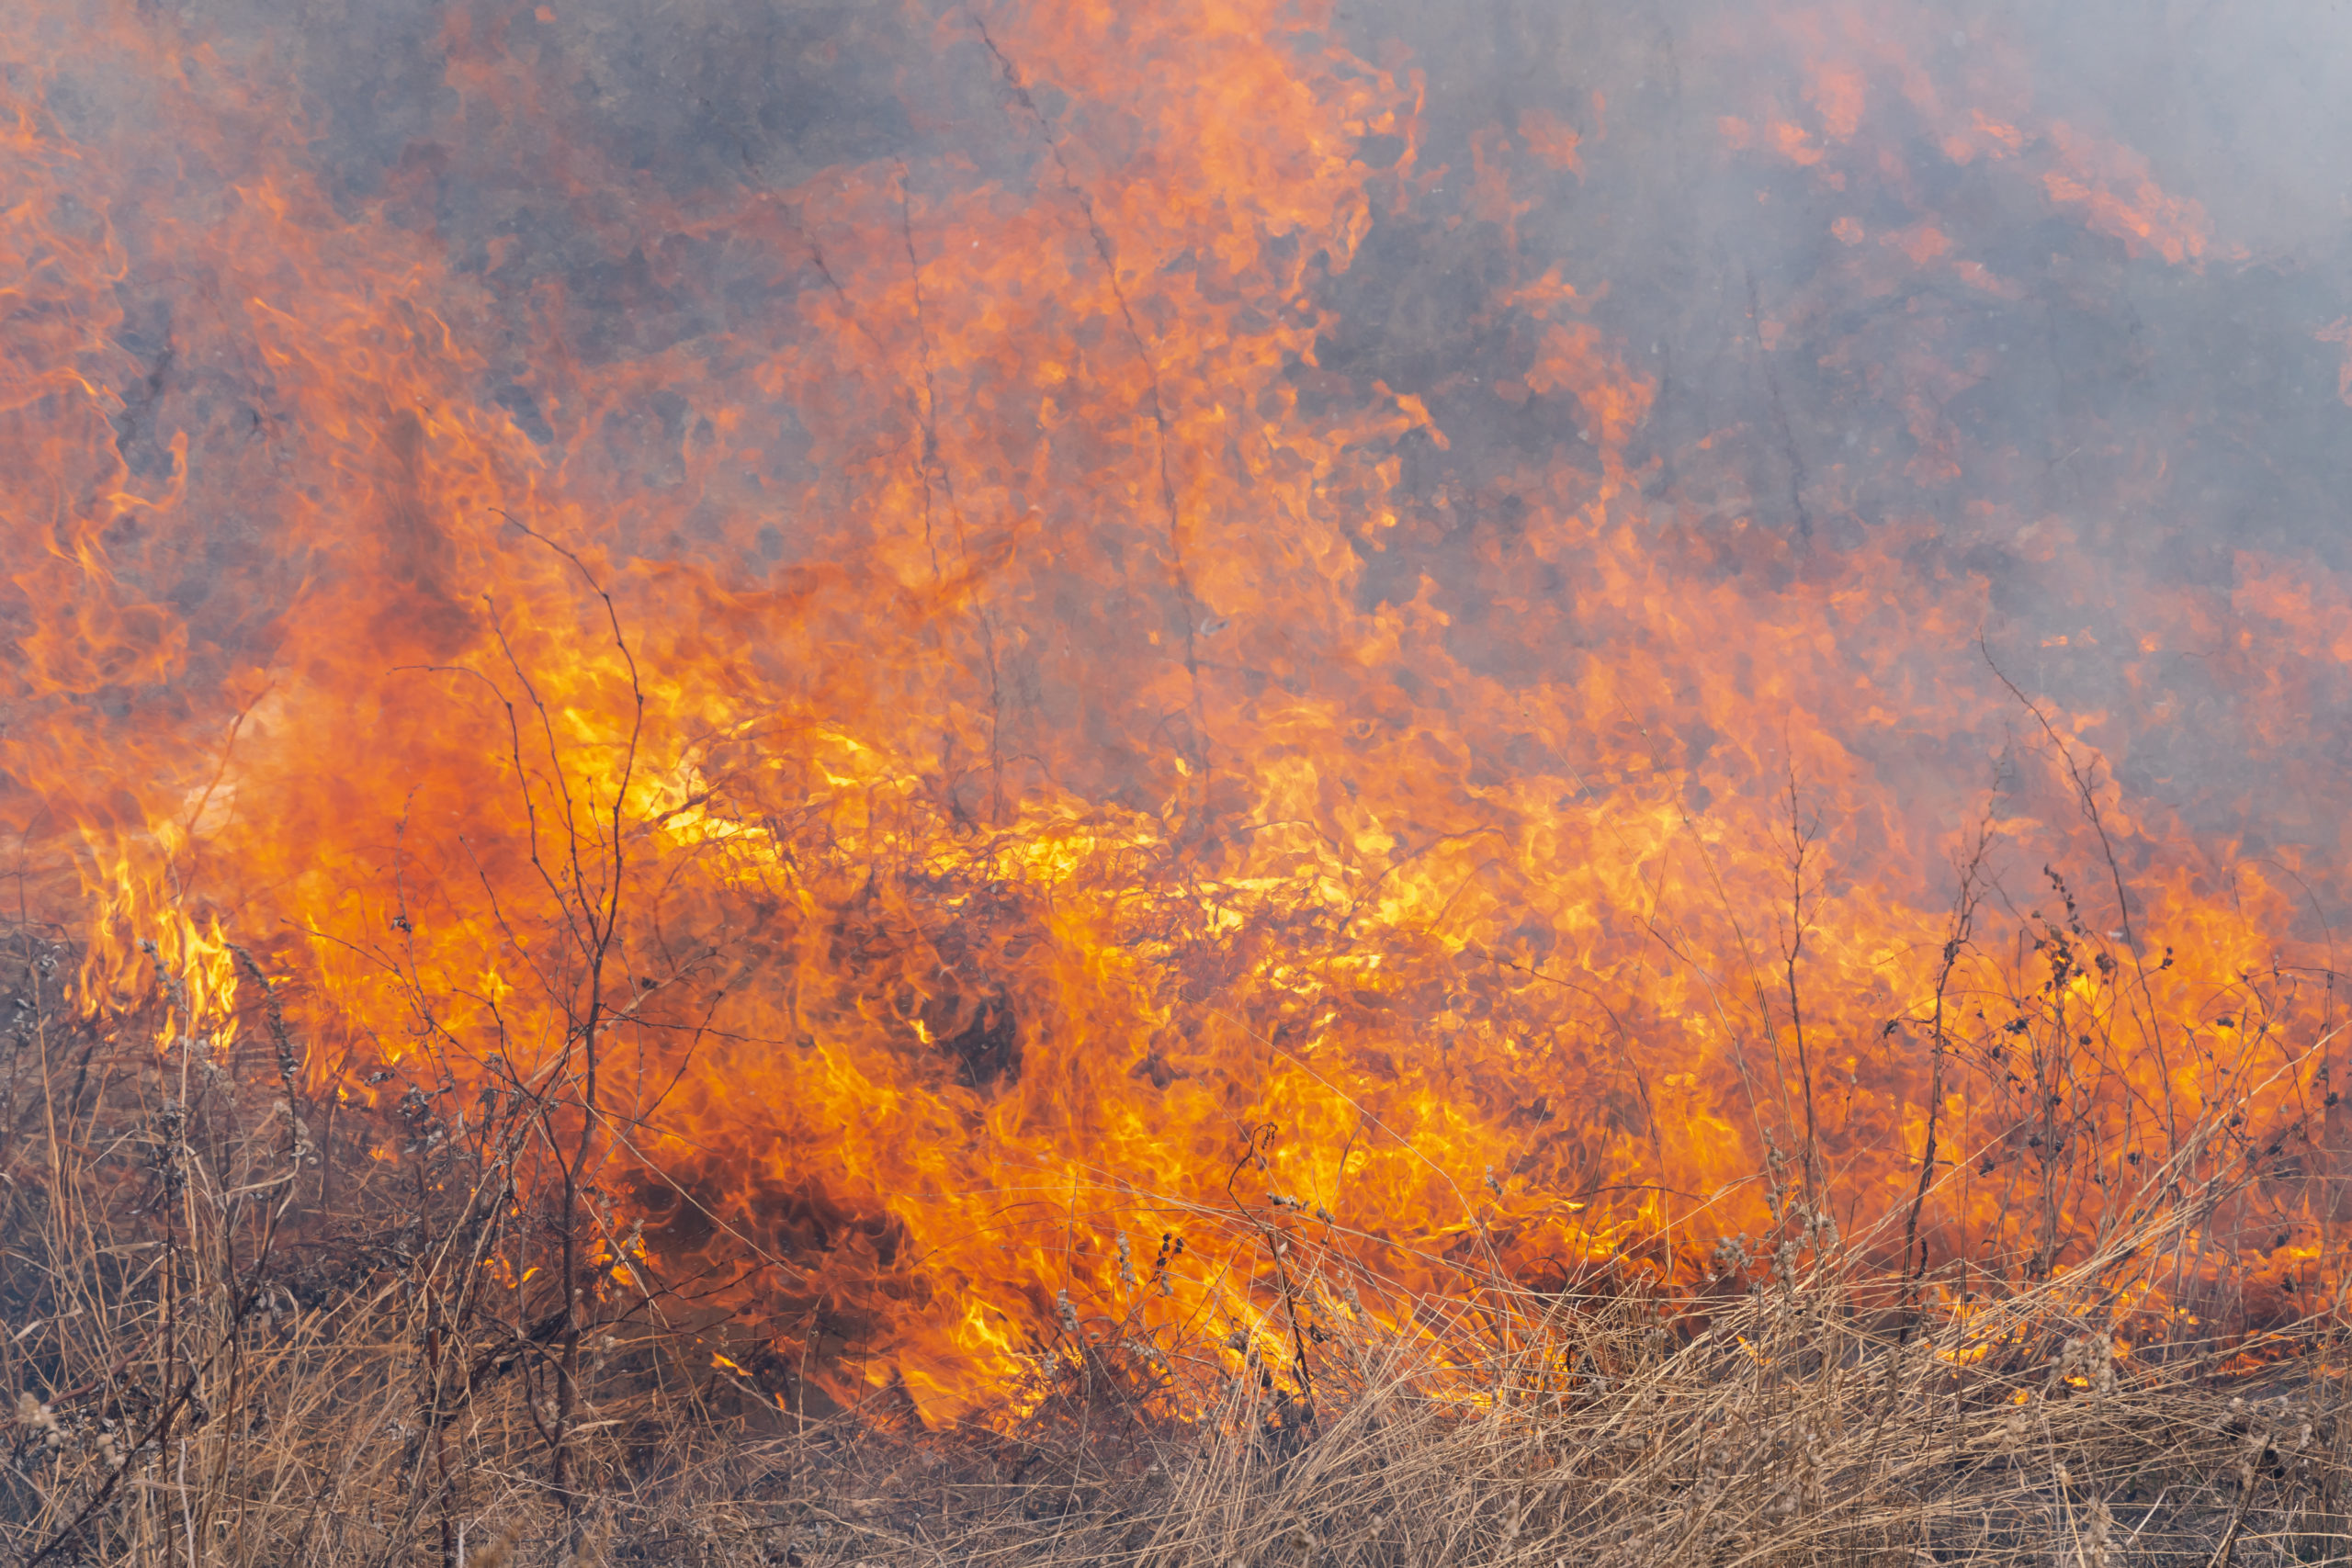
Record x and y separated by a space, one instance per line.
1194 619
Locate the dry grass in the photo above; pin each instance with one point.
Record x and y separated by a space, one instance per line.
237 1336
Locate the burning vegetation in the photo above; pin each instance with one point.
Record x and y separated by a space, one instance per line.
1211 785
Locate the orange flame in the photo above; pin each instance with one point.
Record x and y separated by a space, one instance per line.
1073 744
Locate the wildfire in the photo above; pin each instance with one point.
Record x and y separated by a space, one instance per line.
997 672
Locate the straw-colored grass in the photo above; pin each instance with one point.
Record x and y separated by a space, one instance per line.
228 1343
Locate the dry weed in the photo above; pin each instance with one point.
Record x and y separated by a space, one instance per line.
237 1336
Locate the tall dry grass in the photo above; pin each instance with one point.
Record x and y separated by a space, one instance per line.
237 1333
